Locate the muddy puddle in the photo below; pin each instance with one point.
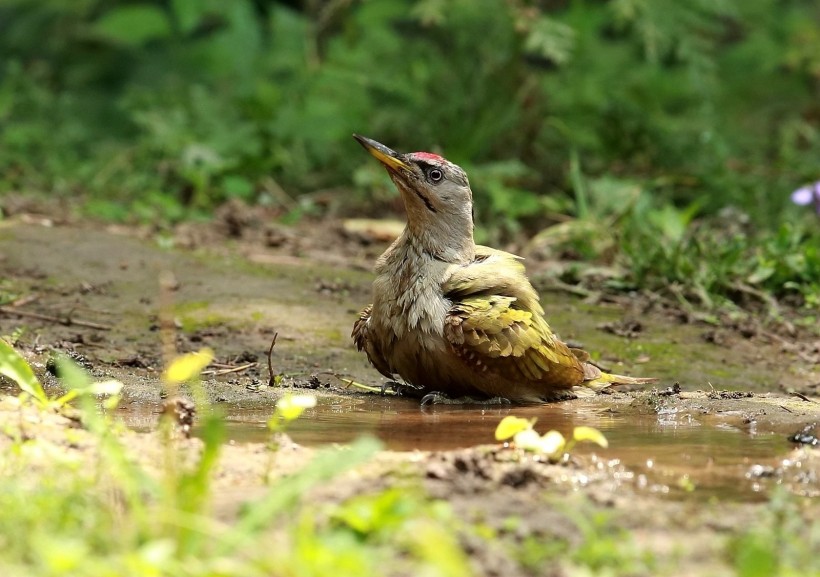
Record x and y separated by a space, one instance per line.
672 453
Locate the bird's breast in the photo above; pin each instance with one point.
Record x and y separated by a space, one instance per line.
409 310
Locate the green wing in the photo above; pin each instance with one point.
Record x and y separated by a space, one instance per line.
493 333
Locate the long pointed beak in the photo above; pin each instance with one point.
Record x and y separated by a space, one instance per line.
387 156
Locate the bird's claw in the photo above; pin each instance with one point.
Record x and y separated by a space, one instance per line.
433 399
398 389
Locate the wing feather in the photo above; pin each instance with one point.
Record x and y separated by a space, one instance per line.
493 331
361 337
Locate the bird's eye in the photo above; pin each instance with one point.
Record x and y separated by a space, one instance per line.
435 175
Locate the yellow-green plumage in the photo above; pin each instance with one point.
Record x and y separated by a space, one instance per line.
455 317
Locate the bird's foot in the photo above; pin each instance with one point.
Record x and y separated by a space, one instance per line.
438 398
399 389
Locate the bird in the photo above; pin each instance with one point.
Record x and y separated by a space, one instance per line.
455 319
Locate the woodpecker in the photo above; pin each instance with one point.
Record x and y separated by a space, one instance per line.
455 318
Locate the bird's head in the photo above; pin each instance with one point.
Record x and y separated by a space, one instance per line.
437 198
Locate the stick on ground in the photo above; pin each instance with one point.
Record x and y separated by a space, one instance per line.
67 321
271 380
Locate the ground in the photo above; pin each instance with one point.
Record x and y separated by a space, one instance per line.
693 465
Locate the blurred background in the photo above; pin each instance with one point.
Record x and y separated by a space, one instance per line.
661 136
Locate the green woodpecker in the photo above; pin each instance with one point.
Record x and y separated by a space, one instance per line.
458 318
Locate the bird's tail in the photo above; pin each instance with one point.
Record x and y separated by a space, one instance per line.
607 379
596 379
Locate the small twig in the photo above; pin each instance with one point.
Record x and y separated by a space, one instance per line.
24 300
789 346
222 365
384 390
351 383
775 337
67 321
227 371
802 396
271 380
788 410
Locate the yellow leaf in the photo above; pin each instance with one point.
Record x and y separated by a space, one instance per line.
527 440
590 434
187 367
510 426
290 407
551 443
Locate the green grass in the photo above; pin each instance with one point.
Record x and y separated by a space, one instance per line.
114 519
783 541
707 263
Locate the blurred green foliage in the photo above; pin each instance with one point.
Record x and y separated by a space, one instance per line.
161 109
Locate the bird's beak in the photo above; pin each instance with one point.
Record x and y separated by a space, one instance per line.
387 156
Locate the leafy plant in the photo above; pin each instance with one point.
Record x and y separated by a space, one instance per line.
15 367
552 443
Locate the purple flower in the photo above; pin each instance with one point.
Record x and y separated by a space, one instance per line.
809 194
